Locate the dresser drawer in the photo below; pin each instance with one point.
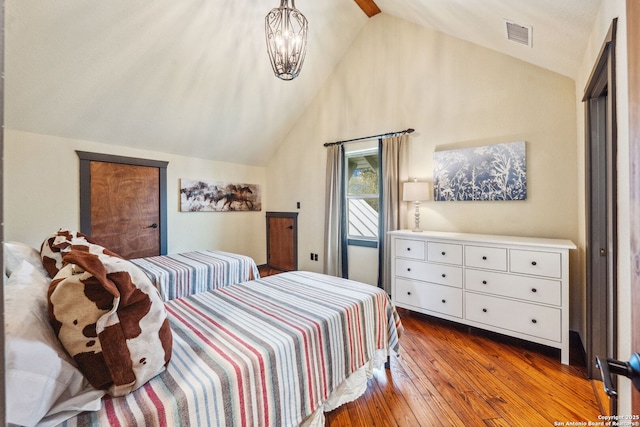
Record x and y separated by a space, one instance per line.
547 264
485 257
447 253
530 319
532 289
435 273
413 249
427 296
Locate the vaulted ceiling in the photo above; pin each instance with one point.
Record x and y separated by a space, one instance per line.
192 77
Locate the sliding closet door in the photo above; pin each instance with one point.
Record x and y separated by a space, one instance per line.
601 193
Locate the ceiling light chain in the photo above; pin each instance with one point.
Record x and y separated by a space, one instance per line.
286 35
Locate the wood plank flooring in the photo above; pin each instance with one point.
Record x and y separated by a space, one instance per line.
265 271
451 375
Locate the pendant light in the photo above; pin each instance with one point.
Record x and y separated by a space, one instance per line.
286 34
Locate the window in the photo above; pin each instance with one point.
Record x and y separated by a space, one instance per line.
363 197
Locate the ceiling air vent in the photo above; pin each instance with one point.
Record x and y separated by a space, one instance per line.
518 33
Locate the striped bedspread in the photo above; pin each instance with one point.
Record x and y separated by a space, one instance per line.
262 353
187 273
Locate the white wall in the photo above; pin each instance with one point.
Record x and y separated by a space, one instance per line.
363 264
609 10
455 94
41 195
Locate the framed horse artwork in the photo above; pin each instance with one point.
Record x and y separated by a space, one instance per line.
207 196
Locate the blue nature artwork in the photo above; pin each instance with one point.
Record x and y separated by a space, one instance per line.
490 172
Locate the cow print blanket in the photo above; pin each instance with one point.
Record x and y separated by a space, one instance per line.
106 312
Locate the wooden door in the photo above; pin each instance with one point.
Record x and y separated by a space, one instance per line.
123 203
282 240
633 56
125 208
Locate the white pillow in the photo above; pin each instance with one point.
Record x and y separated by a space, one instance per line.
16 252
43 383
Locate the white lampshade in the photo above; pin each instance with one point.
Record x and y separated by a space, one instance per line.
415 191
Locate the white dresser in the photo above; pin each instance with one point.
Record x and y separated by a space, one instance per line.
517 286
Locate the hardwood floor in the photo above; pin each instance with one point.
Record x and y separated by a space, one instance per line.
451 375
265 271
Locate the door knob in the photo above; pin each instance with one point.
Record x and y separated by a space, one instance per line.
154 225
290 227
630 369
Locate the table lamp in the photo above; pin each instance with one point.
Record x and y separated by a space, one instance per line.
416 191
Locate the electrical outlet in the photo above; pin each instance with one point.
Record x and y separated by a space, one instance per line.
298 205
311 256
315 257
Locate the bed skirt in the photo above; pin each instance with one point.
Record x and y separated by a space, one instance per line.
348 391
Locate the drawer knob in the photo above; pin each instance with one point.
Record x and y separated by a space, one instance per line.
484 282
484 310
408 293
444 275
534 263
484 258
534 290
444 301
443 253
408 269
534 321
409 249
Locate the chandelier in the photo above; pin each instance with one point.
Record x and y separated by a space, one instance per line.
286 34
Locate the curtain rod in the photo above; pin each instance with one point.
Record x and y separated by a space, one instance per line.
327 144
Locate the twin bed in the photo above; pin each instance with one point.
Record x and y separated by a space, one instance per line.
188 273
270 352
273 351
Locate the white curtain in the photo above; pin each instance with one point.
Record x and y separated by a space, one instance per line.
393 152
334 222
